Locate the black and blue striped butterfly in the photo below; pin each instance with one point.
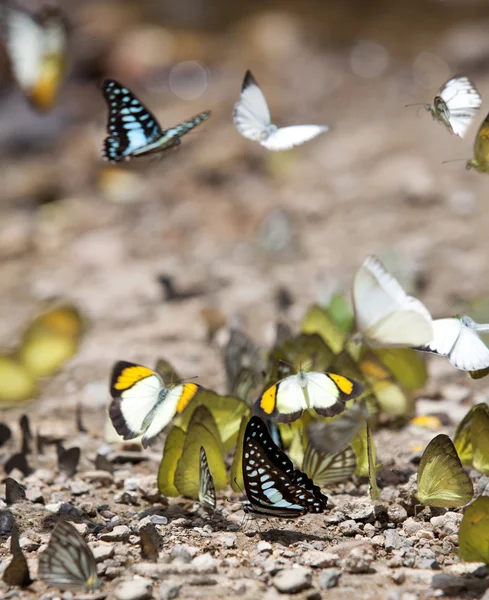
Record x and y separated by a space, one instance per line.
273 487
133 130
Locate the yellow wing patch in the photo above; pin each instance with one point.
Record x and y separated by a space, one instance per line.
343 384
131 375
268 400
45 91
189 391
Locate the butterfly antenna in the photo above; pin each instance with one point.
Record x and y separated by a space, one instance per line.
237 484
454 160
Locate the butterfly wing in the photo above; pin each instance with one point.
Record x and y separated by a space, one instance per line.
284 402
207 490
251 114
325 469
473 534
333 436
384 313
131 126
328 392
462 101
67 560
285 138
480 162
445 335
442 481
480 439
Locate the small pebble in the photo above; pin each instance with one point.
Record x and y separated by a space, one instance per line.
447 524
169 590
358 561
396 513
329 578
134 589
264 547
319 559
291 581
120 533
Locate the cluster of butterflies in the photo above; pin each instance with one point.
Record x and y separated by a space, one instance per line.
38 46
143 406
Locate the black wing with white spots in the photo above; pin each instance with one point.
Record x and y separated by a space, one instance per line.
273 487
131 126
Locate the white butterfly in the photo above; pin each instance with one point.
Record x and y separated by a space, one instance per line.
456 104
37 47
459 340
252 119
385 314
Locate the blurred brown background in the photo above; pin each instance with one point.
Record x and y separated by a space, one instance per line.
222 213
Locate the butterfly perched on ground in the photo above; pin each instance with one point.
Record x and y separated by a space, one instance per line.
480 162
17 571
456 104
326 393
458 339
133 130
67 561
37 47
141 403
442 481
331 437
325 469
207 491
385 315
273 487
473 535
252 119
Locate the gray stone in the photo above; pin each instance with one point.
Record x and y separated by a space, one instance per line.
169 590
159 520
447 524
349 527
102 551
228 540
396 513
264 547
411 526
398 577
291 581
329 578
319 559
182 553
134 589
358 561
392 540
120 533
205 563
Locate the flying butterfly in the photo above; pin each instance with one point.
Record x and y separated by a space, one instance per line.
67 561
442 481
455 105
325 469
207 490
141 404
326 393
473 535
37 47
273 487
133 130
252 119
458 339
385 315
480 162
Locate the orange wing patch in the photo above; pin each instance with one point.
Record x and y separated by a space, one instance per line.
131 375
188 392
343 384
268 400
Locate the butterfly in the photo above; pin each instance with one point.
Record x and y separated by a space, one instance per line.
385 315
251 116
331 437
273 487
442 481
133 130
473 535
456 104
207 491
480 439
458 339
68 561
326 393
37 47
141 404
480 162
325 469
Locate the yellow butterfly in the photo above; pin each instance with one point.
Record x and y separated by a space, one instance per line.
442 481
473 535
480 440
480 162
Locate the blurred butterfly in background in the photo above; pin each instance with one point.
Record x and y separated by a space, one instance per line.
37 47
455 105
251 116
133 130
326 393
68 562
442 481
473 535
385 315
480 162
141 404
273 487
17 571
207 490
325 469
458 339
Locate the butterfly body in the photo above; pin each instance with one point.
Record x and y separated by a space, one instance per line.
252 119
133 130
273 487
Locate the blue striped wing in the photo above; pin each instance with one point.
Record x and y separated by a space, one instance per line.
131 126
